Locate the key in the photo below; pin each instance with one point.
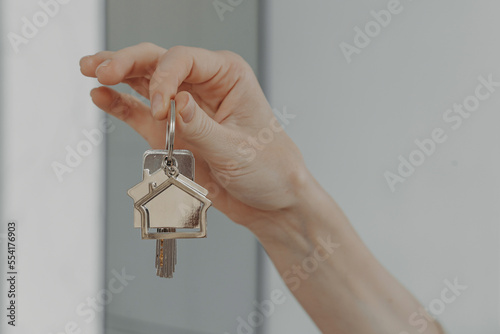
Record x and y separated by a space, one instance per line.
168 199
166 255
166 250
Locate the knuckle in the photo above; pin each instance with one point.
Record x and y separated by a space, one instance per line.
147 45
177 49
202 131
235 58
159 77
178 52
237 64
155 81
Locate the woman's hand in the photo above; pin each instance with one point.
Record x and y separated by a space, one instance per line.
256 176
251 168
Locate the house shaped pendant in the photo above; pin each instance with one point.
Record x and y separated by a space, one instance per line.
169 201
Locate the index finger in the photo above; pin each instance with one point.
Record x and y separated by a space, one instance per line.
179 65
112 68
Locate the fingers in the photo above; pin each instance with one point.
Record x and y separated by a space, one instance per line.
163 72
178 65
140 85
199 130
88 64
130 110
111 68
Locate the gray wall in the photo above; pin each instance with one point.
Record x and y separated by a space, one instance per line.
355 119
216 278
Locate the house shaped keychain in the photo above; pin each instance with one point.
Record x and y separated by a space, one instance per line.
167 200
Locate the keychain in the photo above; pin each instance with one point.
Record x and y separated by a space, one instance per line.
168 199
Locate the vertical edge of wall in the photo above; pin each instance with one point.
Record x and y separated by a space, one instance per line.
52 164
104 264
263 76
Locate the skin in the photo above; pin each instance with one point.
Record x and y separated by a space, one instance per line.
263 185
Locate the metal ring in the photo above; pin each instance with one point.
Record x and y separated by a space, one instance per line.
169 140
173 171
165 164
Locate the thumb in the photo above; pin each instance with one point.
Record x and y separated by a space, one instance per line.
198 129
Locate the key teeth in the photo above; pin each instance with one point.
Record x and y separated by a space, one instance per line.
166 255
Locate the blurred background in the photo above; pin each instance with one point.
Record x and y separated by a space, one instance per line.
364 84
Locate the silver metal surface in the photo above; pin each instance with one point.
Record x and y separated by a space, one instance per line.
170 201
167 198
166 255
166 251
170 136
167 201
153 160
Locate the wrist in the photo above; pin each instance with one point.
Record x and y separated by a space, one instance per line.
313 214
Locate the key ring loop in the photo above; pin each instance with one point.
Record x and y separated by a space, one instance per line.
171 168
170 136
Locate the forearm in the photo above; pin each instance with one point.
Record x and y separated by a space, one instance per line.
331 272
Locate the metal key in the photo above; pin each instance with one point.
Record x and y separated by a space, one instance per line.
166 250
166 255
168 199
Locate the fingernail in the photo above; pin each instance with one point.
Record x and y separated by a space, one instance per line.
157 104
187 113
103 64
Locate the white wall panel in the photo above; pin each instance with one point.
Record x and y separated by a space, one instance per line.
46 111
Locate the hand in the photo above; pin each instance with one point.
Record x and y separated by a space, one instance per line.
257 177
251 168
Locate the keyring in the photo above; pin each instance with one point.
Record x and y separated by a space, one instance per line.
169 140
